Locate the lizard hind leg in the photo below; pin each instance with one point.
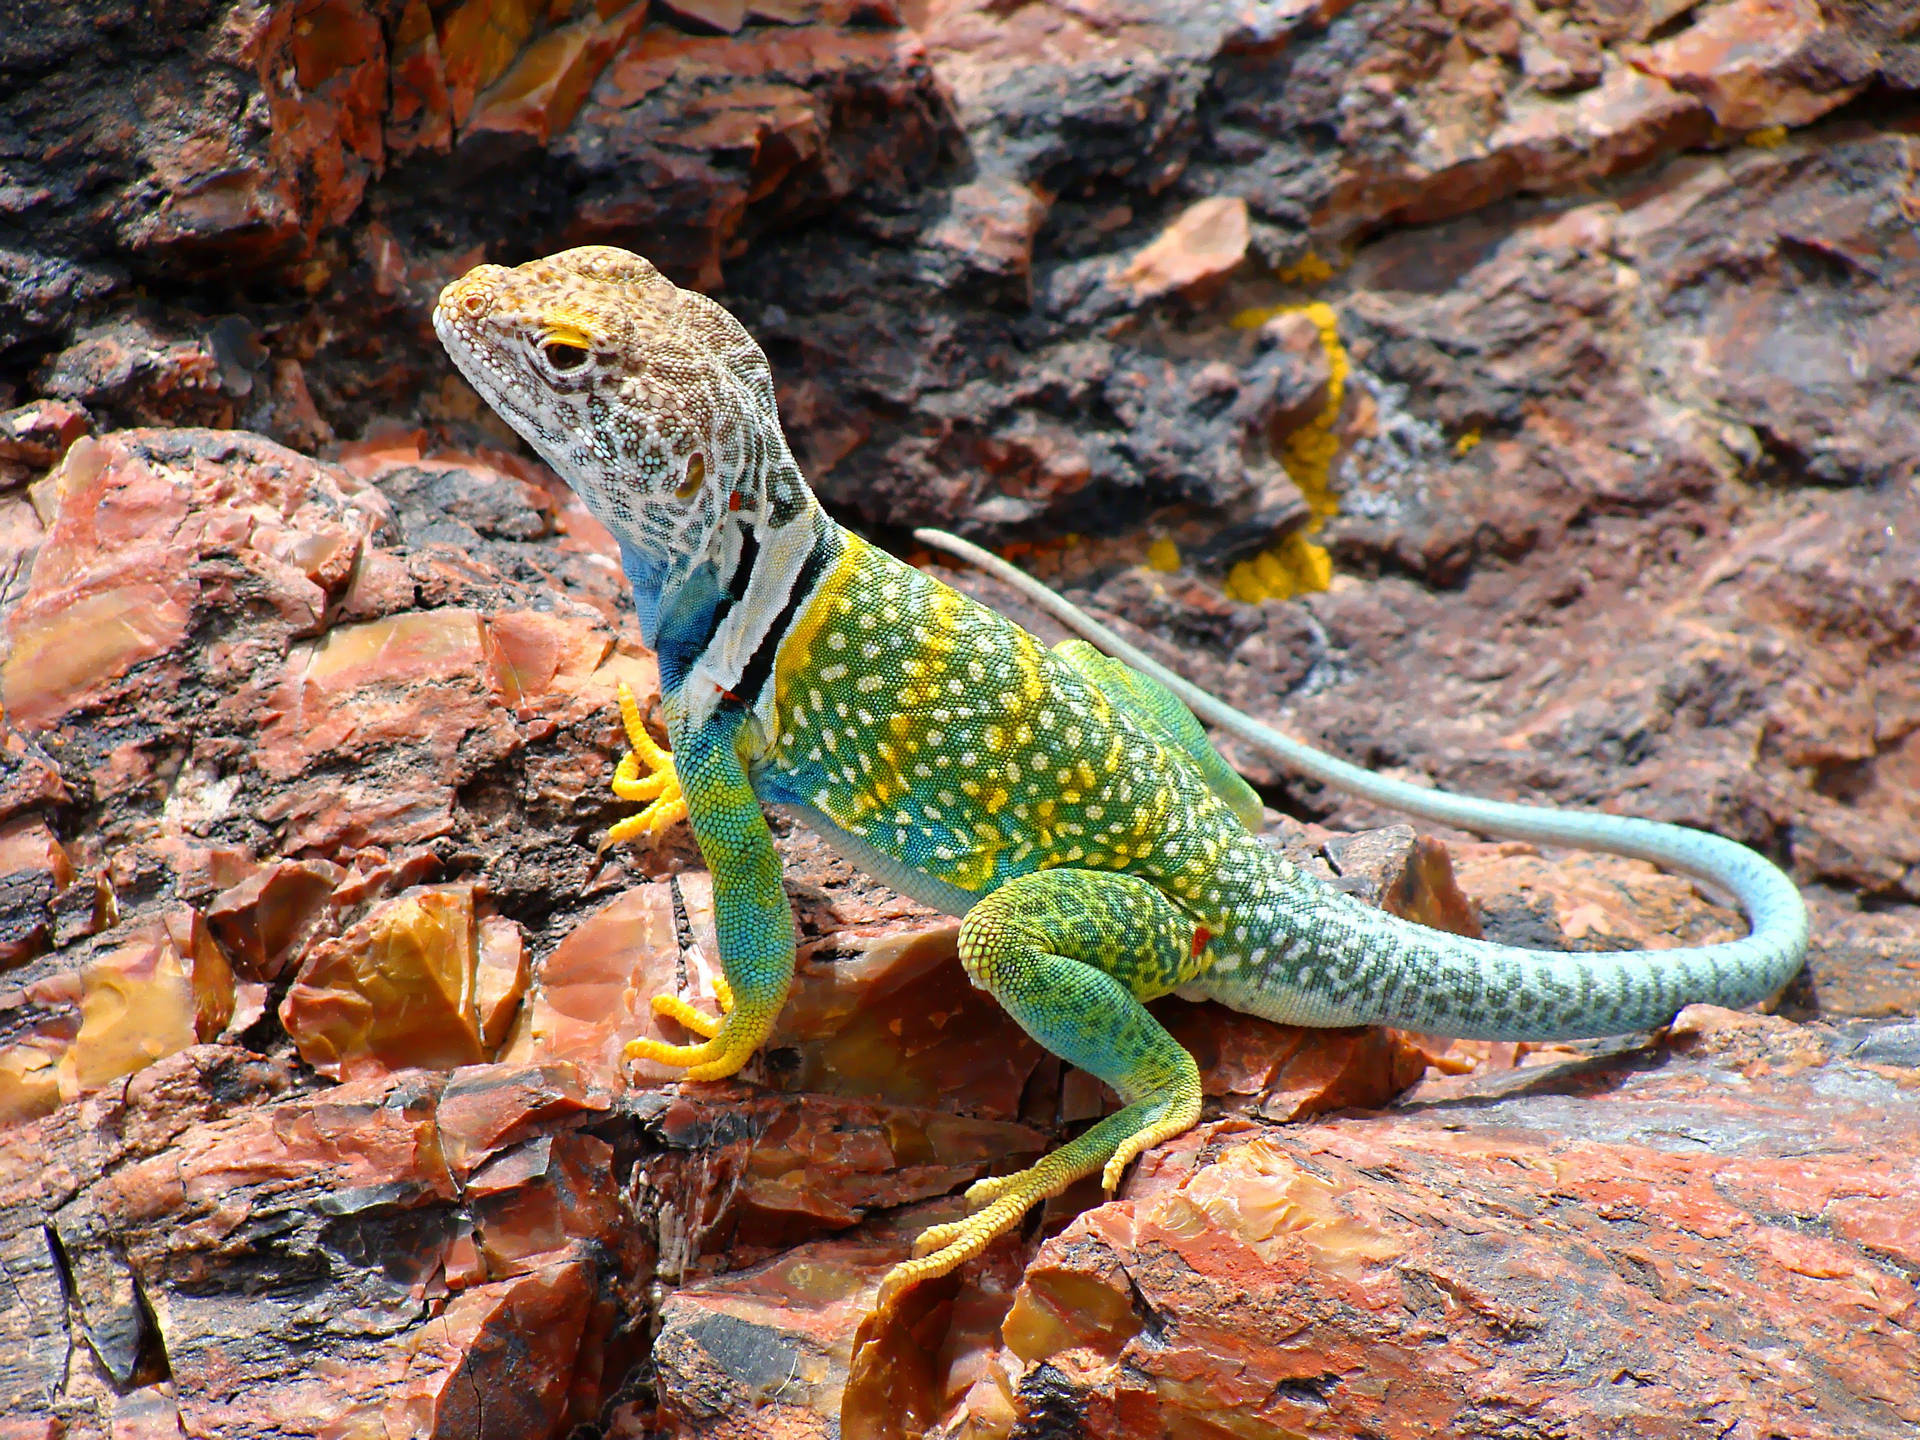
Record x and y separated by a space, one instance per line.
1070 954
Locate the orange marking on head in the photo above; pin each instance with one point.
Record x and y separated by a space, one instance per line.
1201 935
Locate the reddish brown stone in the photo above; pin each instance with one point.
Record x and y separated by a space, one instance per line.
1206 243
120 573
35 437
990 226
1286 1276
144 992
396 989
419 110
34 869
1752 62
550 78
769 1352
358 1182
478 41
269 917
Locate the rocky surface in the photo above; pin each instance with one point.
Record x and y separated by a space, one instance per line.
1604 1245
1519 396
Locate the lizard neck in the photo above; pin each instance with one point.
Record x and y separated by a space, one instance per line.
716 620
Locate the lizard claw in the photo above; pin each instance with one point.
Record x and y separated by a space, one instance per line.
659 786
702 1024
716 1056
940 1248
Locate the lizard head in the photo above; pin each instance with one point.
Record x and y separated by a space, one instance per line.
651 401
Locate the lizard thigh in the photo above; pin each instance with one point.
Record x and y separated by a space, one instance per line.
1070 954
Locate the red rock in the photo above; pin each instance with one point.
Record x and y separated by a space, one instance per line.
744 1175
28 778
419 110
143 993
478 41
396 989
1752 62
263 192
361 690
269 917
1290 1274
1560 55
769 1352
733 127
36 436
357 1180
500 1359
118 577
726 16
991 225
34 869
550 78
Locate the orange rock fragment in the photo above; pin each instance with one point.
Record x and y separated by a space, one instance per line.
478 41
1753 63
1205 243
539 96
60 658
267 918
395 990
151 996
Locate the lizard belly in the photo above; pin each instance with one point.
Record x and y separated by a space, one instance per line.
887 868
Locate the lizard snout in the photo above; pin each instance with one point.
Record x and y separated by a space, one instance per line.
469 297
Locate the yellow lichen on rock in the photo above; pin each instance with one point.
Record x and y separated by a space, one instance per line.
1293 567
1163 555
1309 269
1297 565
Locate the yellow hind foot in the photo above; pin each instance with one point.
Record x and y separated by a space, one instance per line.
1003 1199
1180 1118
998 1201
659 787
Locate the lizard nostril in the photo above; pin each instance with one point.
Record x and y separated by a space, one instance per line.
474 302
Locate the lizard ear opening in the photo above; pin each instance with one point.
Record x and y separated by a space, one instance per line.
696 477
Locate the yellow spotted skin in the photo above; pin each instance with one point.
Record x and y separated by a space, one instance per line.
1067 805
1071 809
928 726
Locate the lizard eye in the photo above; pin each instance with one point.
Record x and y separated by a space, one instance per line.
562 356
696 477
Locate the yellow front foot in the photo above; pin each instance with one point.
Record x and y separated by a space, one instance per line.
702 1024
719 1053
659 787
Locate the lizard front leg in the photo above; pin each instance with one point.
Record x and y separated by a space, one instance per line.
1070 954
753 919
659 786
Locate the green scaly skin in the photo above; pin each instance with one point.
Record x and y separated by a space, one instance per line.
1066 804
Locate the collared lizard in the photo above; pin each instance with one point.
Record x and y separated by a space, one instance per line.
1066 804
